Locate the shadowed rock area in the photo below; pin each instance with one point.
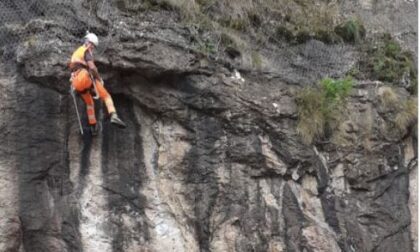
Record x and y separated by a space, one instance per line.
211 159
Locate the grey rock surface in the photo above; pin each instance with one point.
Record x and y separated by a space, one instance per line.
211 159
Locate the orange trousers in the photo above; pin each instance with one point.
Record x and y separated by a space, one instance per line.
82 83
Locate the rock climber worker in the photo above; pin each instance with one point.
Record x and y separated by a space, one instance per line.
84 72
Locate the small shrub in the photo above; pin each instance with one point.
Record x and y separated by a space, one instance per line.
351 31
336 89
391 48
282 33
320 109
386 61
329 37
302 34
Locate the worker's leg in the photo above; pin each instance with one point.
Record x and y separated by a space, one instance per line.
105 97
90 107
81 80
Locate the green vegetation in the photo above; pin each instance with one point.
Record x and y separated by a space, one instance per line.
282 33
320 109
327 36
351 31
308 20
388 62
305 20
336 90
385 60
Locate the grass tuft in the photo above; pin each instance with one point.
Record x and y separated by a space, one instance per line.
403 113
389 98
320 109
407 116
311 115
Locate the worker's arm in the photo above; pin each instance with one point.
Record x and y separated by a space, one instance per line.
93 70
92 67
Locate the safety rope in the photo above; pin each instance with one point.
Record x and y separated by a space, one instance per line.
73 94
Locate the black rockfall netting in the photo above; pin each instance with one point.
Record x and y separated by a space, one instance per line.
64 23
23 20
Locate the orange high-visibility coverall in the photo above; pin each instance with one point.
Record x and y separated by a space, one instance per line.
82 83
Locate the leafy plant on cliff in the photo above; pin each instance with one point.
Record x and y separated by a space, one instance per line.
336 90
320 108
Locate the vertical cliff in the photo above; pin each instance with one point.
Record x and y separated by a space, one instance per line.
212 159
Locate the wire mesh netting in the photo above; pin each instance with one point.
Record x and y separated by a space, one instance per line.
17 18
26 20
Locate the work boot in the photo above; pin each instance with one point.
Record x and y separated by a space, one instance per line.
94 129
117 121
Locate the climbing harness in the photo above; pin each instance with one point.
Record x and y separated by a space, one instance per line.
73 94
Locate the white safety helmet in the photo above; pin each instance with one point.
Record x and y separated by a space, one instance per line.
91 37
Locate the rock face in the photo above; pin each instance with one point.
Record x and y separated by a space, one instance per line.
211 159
